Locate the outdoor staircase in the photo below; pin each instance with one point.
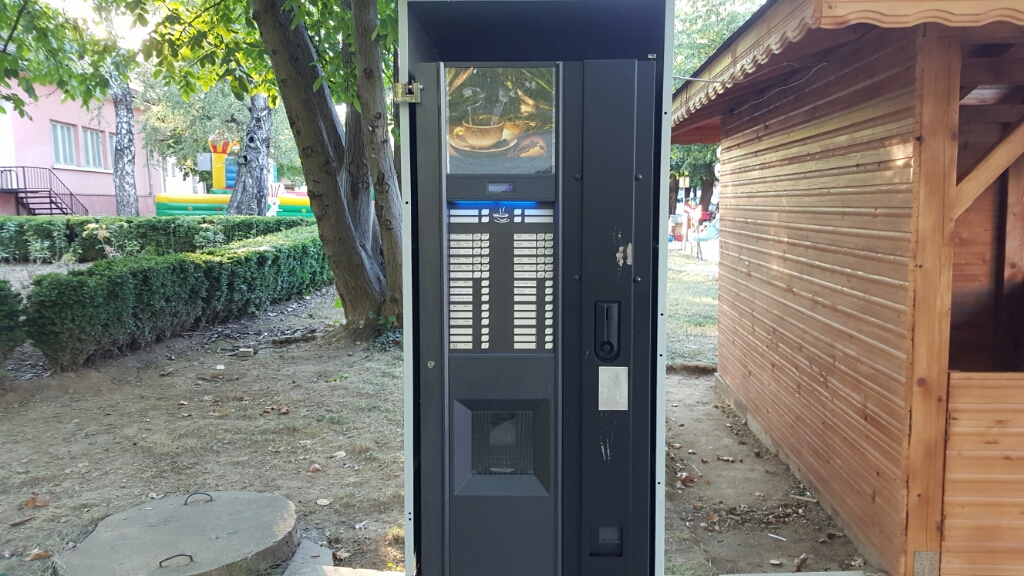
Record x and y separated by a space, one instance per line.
39 192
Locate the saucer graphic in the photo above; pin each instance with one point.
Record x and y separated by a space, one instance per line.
501 217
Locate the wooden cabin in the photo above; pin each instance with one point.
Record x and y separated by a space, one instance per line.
872 266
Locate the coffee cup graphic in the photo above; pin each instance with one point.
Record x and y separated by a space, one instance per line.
480 131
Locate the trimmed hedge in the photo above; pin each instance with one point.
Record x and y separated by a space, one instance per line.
121 304
52 238
11 333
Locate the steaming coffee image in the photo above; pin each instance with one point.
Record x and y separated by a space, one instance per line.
500 120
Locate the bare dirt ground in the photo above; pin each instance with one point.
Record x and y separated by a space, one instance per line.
720 518
169 421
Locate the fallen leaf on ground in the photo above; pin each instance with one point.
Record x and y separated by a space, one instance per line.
727 459
315 468
698 506
324 502
36 501
681 425
305 442
219 367
339 454
182 403
712 517
362 524
340 556
283 410
167 372
775 562
686 478
800 562
274 449
705 461
675 446
691 451
37 555
22 521
857 563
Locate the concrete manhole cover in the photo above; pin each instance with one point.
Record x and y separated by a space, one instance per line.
234 534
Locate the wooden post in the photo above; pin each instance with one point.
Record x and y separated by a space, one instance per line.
1015 225
938 97
1013 270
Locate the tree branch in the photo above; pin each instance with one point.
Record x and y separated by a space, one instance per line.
17 21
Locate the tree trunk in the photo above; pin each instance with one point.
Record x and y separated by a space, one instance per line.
707 188
396 118
357 166
126 196
358 190
673 194
253 181
320 140
370 90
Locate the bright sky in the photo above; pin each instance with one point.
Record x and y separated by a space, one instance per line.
131 37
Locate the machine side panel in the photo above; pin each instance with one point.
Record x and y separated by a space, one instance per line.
646 185
431 368
572 311
609 143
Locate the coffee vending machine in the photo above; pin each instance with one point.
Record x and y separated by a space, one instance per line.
534 151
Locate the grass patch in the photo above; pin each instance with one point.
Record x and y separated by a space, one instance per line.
686 568
692 308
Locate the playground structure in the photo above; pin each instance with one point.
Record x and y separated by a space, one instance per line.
224 166
285 206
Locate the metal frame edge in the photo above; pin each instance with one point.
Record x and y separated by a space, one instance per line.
408 314
659 409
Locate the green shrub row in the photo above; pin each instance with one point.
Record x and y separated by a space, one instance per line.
120 304
12 334
90 238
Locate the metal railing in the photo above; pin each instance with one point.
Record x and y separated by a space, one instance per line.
42 180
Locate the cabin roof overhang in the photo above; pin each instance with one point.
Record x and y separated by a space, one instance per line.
804 30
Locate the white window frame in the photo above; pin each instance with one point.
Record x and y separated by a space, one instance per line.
112 141
92 148
63 142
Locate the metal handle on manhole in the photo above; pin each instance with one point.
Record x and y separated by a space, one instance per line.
207 494
161 564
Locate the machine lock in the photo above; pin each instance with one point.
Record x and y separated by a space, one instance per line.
606 331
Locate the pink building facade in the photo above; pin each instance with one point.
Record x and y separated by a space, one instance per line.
77 144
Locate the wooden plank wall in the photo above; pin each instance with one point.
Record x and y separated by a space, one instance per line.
974 326
817 185
984 497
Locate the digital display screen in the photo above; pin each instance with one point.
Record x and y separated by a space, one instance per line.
500 188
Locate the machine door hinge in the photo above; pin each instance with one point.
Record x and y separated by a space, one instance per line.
408 93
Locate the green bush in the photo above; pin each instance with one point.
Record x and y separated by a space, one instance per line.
11 333
246 276
91 238
120 304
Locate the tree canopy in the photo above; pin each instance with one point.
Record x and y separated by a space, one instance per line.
701 26
41 45
175 128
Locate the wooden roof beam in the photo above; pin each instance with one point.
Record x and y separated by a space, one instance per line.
989 71
995 114
988 168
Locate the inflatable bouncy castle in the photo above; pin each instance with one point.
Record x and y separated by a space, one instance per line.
225 166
